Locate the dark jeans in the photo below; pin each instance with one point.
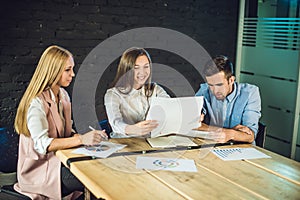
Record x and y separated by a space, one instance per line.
69 183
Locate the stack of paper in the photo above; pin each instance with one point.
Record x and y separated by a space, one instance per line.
170 141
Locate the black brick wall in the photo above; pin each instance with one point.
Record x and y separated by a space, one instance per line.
29 26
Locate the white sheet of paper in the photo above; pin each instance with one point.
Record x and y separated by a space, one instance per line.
170 141
175 115
200 134
103 150
239 153
170 164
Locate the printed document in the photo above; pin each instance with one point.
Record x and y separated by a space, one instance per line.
102 150
170 164
239 153
175 115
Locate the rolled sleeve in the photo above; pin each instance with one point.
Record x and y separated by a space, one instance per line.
252 111
38 126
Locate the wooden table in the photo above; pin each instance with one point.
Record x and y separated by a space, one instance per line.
117 177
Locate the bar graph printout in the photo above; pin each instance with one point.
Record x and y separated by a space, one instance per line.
239 154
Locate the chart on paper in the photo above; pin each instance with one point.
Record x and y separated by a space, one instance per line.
239 153
170 164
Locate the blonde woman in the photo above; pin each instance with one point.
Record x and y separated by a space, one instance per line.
44 123
128 101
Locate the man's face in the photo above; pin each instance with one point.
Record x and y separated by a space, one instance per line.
219 85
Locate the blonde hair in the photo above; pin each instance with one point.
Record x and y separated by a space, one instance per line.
47 74
125 76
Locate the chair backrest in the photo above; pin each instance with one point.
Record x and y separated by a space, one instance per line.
7 178
261 135
104 124
9 144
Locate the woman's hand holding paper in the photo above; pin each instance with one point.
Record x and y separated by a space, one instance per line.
141 128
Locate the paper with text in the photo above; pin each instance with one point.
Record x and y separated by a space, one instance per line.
175 115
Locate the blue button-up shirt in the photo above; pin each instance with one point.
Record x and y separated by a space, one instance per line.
242 106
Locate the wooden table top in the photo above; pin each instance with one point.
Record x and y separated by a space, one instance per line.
117 177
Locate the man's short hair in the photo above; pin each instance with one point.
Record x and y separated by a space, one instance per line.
217 64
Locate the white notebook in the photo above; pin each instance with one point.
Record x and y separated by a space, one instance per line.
170 141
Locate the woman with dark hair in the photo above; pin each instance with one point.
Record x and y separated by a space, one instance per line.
128 101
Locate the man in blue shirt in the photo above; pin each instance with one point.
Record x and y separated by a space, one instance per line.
234 107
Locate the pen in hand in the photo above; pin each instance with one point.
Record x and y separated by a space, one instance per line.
103 137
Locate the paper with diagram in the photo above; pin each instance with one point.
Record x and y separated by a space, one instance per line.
169 164
102 150
239 153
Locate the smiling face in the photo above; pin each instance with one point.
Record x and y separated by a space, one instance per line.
219 85
68 73
141 71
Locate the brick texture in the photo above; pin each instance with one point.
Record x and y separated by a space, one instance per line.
29 26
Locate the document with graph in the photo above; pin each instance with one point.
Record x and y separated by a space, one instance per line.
169 164
239 153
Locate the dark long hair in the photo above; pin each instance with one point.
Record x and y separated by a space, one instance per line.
125 74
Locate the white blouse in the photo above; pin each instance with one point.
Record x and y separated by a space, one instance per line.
127 109
38 124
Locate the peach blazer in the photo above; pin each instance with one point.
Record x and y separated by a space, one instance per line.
39 175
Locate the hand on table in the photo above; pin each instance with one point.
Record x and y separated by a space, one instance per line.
220 135
243 128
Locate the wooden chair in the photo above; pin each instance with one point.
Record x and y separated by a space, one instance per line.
261 135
